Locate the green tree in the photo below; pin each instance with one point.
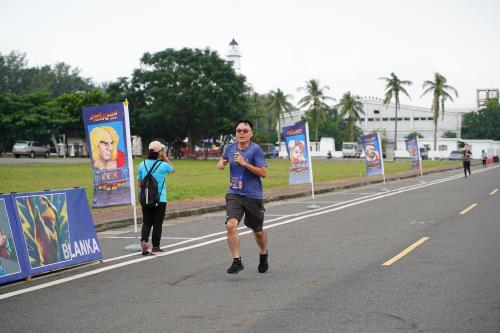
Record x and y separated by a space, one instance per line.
483 124
26 117
350 107
414 135
449 134
186 93
70 121
12 72
315 101
439 90
17 78
393 87
38 116
333 126
261 117
279 104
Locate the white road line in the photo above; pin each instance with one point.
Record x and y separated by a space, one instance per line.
182 249
132 237
310 202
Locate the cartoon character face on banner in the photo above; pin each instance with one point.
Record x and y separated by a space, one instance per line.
45 227
413 151
104 142
370 152
296 148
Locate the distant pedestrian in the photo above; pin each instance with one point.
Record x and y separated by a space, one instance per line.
466 156
244 196
484 155
157 165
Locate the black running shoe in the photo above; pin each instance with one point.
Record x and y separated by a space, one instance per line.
263 264
236 266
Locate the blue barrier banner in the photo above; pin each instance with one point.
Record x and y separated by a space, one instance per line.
12 253
106 128
57 229
373 154
412 147
296 142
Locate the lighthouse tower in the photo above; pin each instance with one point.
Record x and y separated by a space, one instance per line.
234 55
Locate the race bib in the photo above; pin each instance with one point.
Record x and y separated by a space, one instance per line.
236 182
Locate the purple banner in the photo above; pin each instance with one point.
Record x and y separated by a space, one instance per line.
297 144
413 150
57 229
13 265
106 128
373 154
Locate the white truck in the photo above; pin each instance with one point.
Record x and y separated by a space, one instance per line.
350 149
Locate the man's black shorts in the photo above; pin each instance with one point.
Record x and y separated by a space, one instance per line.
253 209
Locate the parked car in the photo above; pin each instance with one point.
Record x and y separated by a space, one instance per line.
30 148
424 154
455 155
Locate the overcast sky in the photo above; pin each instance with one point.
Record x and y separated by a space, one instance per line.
347 45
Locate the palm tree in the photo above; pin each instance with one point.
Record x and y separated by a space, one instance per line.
257 108
278 105
315 100
439 89
393 87
352 107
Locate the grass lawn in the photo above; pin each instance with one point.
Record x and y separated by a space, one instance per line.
192 179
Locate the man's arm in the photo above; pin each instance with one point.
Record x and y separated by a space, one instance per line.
259 171
222 163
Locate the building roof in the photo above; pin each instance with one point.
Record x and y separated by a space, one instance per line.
233 42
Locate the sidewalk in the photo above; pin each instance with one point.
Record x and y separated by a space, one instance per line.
122 216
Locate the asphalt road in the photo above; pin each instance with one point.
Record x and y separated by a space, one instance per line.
340 268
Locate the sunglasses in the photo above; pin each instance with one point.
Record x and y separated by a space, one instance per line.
244 131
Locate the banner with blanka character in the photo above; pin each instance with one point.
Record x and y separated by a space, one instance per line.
373 154
57 229
297 143
12 265
107 136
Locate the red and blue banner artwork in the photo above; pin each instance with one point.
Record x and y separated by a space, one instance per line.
373 154
12 265
297 143
414 151
106 129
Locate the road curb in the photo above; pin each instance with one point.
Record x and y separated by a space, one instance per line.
215 208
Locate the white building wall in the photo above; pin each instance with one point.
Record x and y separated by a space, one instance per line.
411 119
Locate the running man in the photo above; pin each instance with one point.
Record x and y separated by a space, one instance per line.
244 196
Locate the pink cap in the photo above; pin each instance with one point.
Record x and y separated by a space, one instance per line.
156 146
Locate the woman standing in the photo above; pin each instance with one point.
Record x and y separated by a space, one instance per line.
157 165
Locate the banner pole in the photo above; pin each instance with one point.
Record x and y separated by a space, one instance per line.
382 154
419 158
136 246
313 205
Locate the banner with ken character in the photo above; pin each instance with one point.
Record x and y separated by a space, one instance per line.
105 128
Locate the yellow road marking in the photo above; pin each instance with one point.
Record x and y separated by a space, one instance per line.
494 191
405 251
468 208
